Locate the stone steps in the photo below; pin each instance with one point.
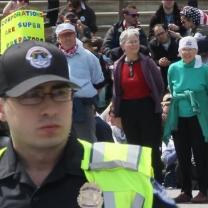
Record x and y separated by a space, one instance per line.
142 5
107 10
110 5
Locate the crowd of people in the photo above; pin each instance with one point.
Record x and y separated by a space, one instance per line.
129 88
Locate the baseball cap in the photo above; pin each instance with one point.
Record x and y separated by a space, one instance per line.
188 42
29 64
64 27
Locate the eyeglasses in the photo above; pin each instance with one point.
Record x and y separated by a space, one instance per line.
132 14
135 42
36 96
159 34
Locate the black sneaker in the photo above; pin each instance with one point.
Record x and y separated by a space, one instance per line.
183 198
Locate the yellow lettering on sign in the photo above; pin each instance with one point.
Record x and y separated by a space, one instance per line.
9 30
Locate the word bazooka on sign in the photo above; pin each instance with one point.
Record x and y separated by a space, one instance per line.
21 25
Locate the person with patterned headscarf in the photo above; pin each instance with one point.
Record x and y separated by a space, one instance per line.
194 20
196 23
197 15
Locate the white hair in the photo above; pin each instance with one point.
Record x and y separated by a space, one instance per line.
128 32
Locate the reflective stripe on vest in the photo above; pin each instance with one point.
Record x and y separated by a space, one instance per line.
124 183
138 201
109 200
2 150
98 160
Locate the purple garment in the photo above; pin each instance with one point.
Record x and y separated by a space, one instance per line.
152 77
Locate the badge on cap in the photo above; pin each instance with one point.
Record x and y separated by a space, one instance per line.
189 43
90 195
39 57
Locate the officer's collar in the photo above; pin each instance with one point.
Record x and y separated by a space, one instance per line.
72 156
8 162
69 163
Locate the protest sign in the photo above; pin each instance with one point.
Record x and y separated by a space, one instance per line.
21 25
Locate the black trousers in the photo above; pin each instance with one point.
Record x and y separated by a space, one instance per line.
53 15
189 140
143 127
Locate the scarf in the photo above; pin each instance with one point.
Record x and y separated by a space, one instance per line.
69 52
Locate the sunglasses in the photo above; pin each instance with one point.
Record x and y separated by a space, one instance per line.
26 1
132 14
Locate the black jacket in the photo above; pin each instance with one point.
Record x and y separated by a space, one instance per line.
111 46
86 16
159 18
158 51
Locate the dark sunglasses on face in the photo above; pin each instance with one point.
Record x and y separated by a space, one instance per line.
132 14
26 1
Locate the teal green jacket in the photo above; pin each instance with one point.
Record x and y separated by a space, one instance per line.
189 90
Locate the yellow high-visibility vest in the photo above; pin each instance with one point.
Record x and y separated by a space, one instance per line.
121 171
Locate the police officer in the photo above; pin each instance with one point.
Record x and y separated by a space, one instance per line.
42 166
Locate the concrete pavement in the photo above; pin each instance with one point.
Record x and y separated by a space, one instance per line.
173 193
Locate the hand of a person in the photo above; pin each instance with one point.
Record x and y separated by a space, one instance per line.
80 26
173 34
173 27
164 62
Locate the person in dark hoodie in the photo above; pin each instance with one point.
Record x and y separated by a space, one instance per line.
168 14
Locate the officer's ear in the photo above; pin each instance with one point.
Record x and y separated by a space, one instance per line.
2 111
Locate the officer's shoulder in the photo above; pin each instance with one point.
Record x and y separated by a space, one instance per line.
4 140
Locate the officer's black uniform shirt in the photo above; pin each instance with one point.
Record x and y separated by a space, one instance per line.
59 190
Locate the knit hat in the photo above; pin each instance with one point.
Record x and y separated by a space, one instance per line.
192 13
188 42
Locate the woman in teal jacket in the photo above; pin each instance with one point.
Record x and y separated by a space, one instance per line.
188 117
